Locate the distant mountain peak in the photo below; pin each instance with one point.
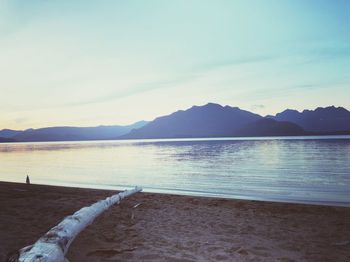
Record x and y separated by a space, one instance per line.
321 119
209 120
70 133
290 111
213 104
209 105
332 108
232 107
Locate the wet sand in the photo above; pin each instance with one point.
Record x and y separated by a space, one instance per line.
176 228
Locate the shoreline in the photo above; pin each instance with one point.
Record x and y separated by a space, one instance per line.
176 228
345 135
194 194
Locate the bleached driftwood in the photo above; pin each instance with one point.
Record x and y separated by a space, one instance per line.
53 246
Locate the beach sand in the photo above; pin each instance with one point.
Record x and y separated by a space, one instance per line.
176 228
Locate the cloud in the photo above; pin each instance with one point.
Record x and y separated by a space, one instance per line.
240 60
320 84
136 89
257 107
62 61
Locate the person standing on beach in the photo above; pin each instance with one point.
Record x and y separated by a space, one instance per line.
27 180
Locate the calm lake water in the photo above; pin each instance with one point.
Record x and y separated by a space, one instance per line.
294 169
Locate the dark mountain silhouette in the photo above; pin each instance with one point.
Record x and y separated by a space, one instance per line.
7 133
270 127
74 133
328 119
210 120
6 139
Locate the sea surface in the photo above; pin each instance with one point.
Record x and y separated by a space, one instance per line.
293 169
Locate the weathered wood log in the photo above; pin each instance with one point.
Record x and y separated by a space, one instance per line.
53 246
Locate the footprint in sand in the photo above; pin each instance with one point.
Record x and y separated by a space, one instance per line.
242 251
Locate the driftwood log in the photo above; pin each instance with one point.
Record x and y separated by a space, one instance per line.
53 246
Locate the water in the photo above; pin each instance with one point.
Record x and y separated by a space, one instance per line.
294 169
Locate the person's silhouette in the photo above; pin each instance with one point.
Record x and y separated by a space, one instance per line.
27 180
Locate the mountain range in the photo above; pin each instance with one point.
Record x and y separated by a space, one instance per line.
210 120
66 133
329 119
214 120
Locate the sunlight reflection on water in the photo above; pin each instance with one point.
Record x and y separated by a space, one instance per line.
299 169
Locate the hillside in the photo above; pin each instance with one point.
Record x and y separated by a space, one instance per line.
210 120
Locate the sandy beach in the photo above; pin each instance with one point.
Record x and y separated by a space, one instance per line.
176 228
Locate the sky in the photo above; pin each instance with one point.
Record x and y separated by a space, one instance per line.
88 63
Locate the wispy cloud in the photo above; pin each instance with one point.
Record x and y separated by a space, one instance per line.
113 61
136 89
257 107
239 61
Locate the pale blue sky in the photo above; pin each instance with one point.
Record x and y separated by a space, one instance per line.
87 63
